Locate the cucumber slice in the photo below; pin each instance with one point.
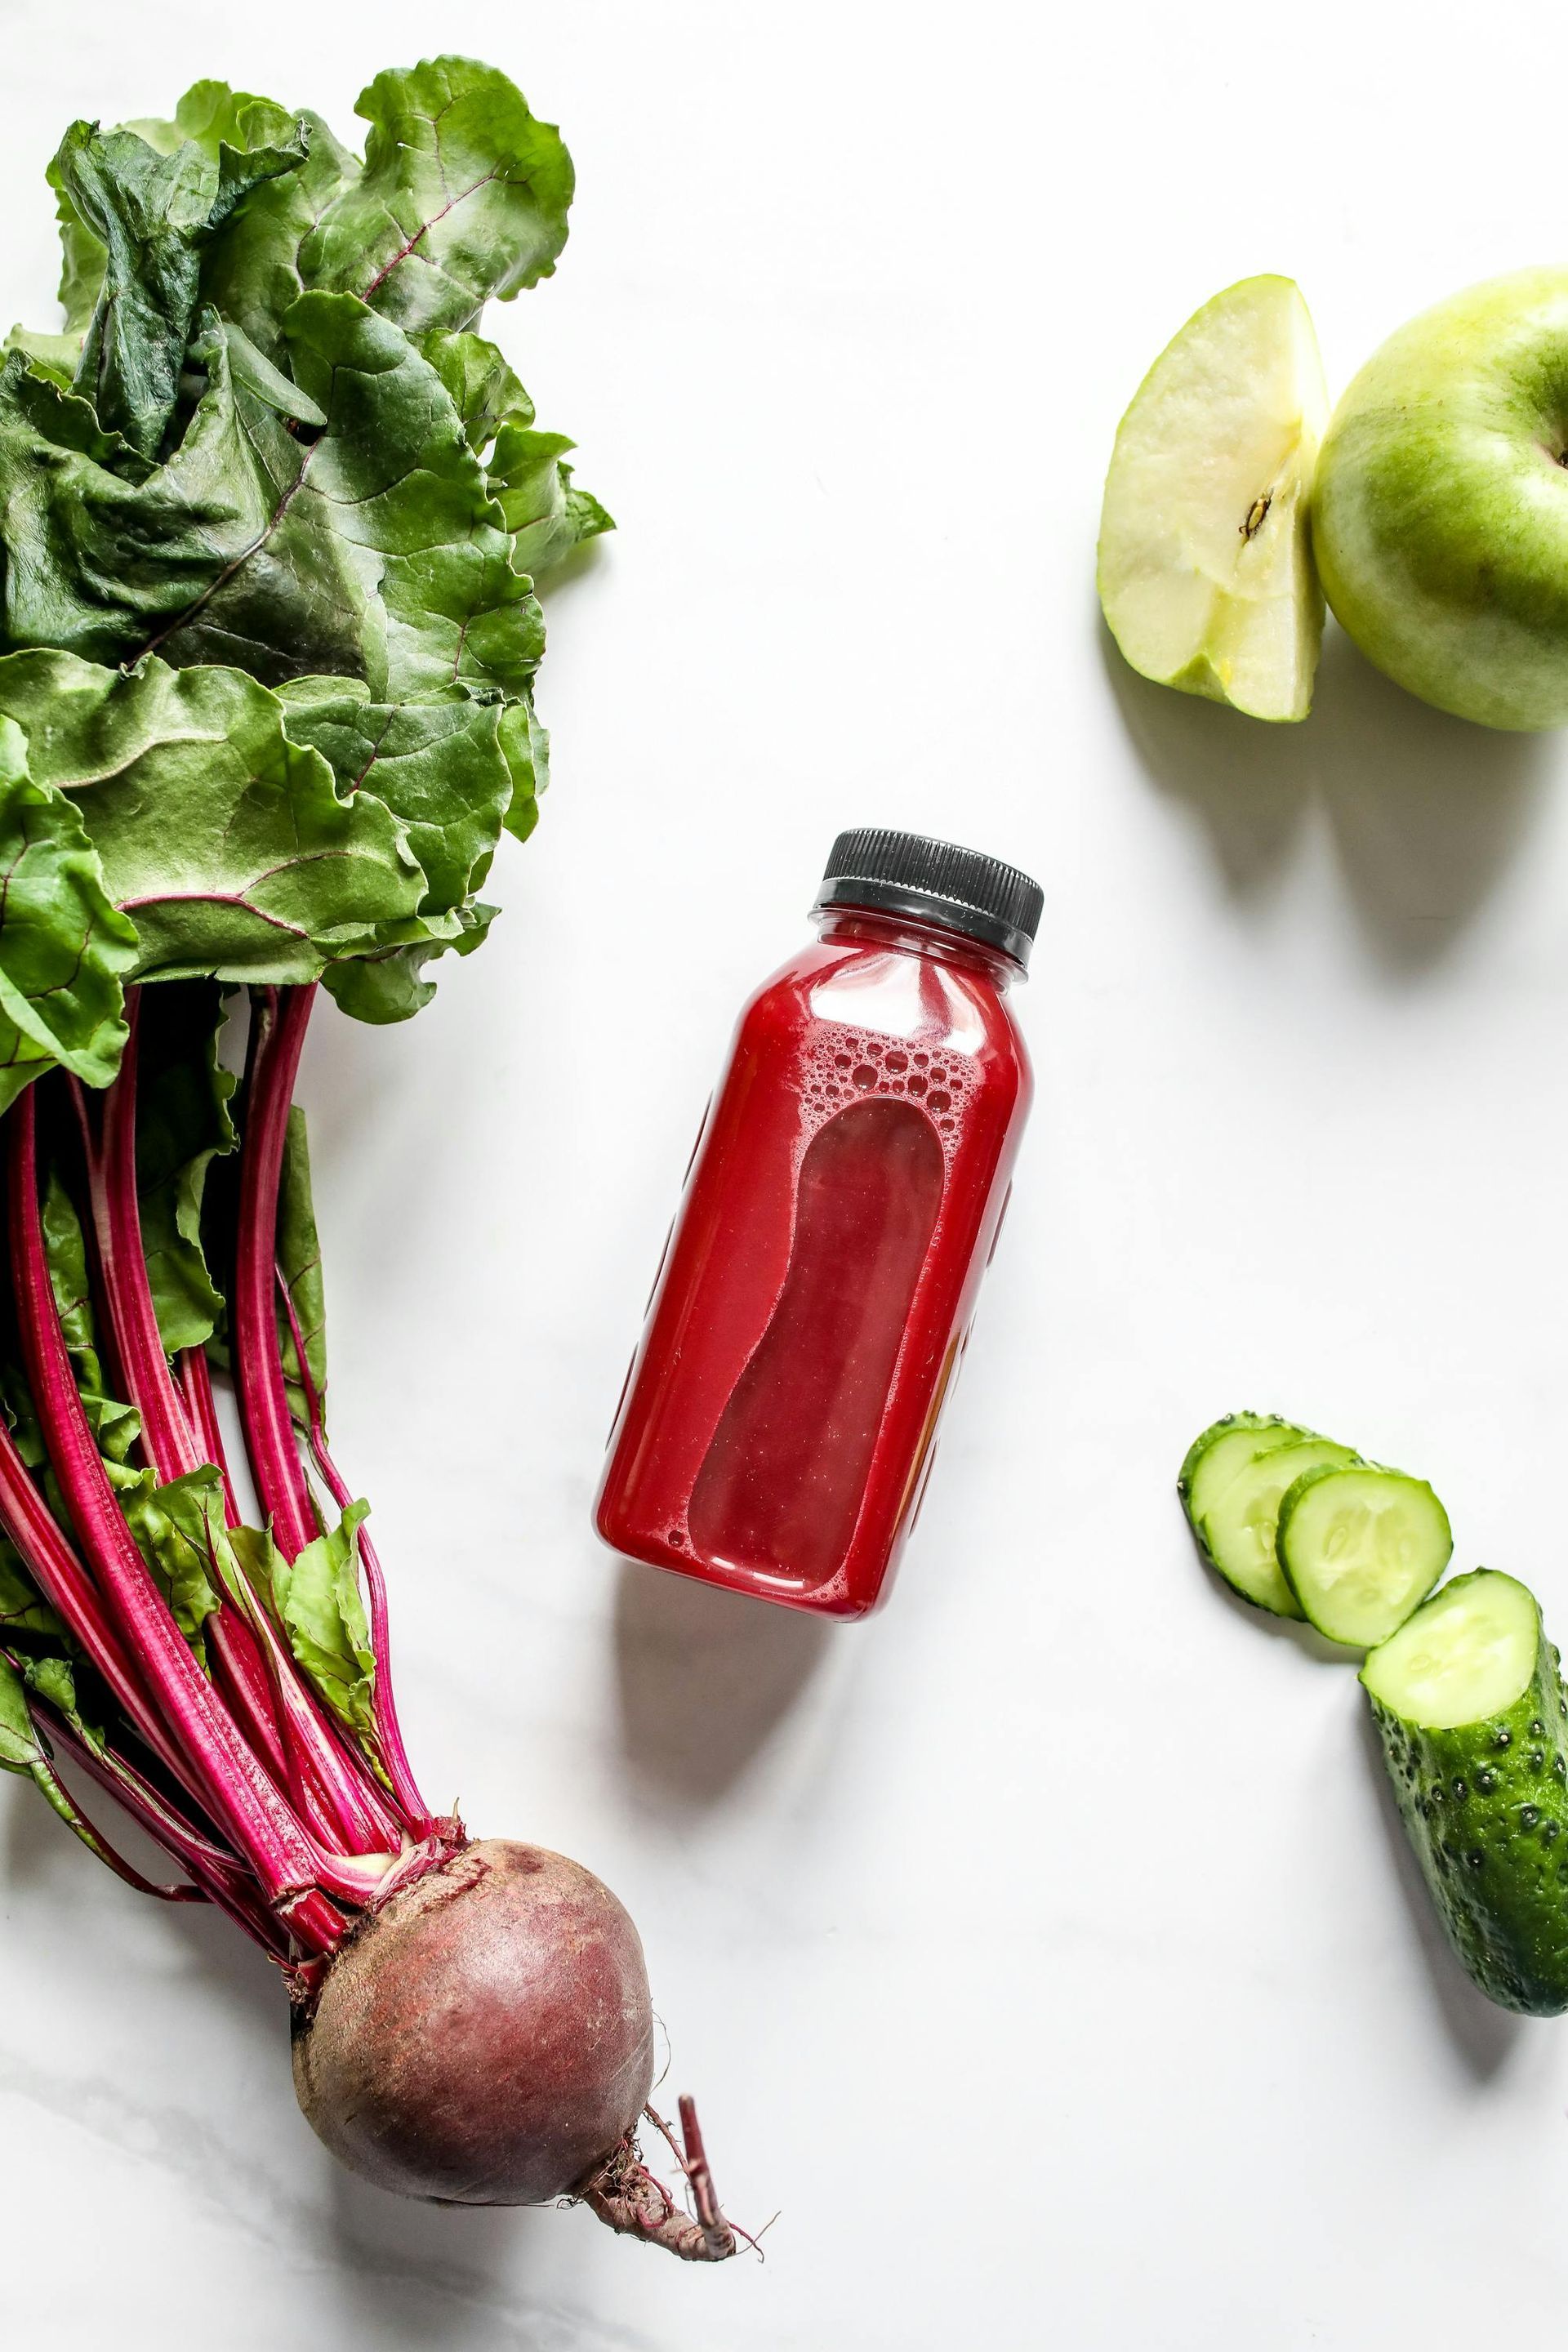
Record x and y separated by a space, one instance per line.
1360 1548
1237 1532
1470 1654
1224 1448
1468 1703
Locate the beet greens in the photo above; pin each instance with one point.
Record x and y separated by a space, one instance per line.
272 518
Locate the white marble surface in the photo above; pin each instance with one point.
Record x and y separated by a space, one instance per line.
1044 1950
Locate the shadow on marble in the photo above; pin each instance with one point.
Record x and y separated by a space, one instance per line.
412 2275
35 1841
704 1678
407 2261
1428 812
574 571
1486 2037
38 1851
1294 1630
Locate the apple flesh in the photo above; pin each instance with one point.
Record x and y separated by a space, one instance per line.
1207 577
1440 513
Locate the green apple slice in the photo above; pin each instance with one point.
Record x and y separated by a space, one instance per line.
1205 562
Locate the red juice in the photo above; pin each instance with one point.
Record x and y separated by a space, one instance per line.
779 1420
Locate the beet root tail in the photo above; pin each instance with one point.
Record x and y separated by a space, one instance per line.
627 2197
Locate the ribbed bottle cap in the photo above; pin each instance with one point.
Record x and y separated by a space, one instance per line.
963 889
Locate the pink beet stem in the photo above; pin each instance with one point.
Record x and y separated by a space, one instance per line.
195 1380
81 1822
278 1036
233 1785
167 1435
278 1033
330 1788
60 1579
326 1774
69 1592
169 1442
197 1387
225 1881
389 1731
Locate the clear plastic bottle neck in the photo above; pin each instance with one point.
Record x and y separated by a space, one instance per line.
910 935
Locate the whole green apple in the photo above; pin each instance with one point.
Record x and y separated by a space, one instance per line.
1440 506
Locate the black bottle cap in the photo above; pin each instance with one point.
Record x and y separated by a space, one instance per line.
962 889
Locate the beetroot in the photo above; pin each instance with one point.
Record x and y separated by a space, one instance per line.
485 2039
471 2019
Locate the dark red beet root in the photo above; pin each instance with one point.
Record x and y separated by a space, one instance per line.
486 2039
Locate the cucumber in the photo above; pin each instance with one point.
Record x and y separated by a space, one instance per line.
1469 1702
1360 1547
1224 1449
1237 1532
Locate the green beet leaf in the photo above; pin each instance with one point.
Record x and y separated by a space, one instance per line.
399 482
54 1679
35 1648
464 196
53 356
300 1268
22 1749
182 1124
437 764
38 1654
319 1606
257 457
82 259
532 487
179 1531
151 214
249 261
212 116
370 549
22 1613
527 748
115 1426
254 371
65 949
390 985
479 382
226 845
251 271
19 1744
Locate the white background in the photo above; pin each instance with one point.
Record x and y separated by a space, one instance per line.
1046 1949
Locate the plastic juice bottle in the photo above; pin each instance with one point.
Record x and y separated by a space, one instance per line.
778 1421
